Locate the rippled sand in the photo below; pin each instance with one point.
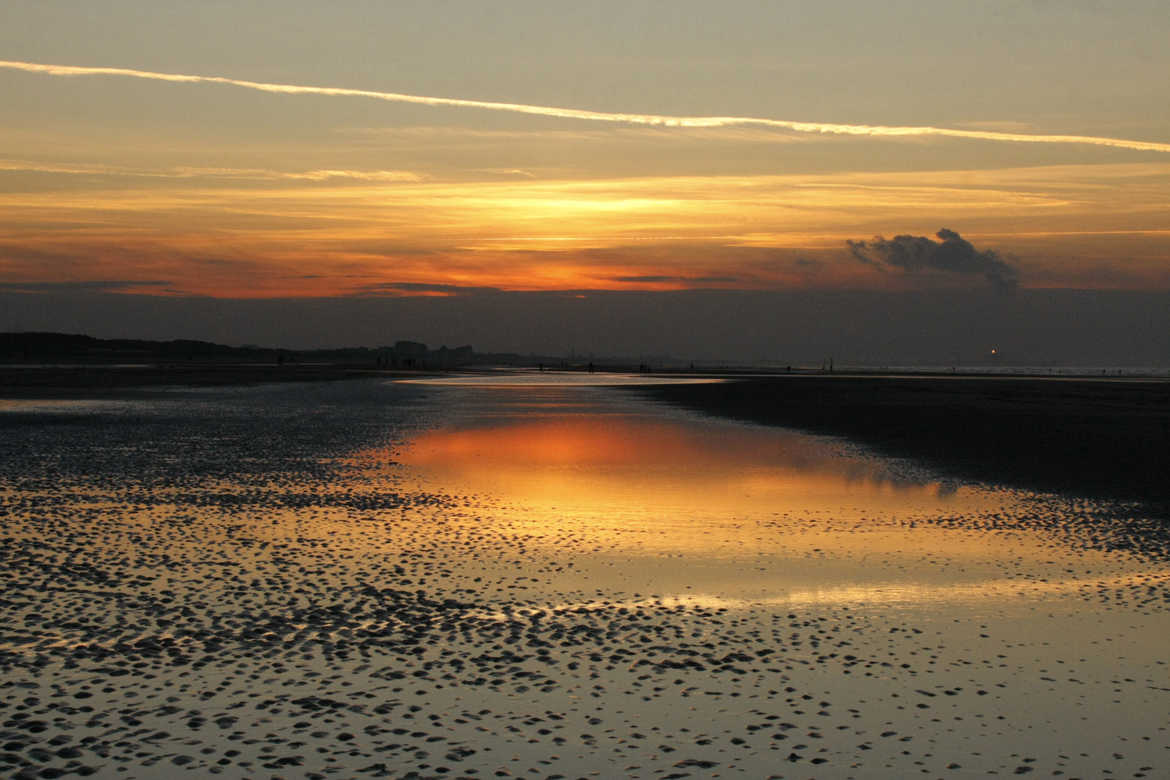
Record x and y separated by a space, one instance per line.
372 579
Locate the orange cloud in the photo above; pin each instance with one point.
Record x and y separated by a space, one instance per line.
1069 225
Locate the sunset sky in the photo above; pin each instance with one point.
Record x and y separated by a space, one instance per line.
433 164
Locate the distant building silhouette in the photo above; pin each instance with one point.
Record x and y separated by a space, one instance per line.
409 354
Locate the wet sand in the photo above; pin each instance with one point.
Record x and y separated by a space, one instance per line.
1108 437
357 579
91 380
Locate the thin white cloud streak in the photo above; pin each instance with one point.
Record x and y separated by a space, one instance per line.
429 133
254 174
657 120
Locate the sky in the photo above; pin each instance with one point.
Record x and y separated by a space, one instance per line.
553 176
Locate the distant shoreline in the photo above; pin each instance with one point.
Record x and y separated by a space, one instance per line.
1104 438
99 377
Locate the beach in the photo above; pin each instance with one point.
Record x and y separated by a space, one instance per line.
372 578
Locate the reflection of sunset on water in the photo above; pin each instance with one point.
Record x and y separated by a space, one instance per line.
628 461
639 466
888 596
681 506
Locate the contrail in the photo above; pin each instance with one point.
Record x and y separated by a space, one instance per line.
189 172
598 116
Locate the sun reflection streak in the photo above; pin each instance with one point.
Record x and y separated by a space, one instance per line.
889 594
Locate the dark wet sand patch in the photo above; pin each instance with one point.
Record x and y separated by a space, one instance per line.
98 380
1104 438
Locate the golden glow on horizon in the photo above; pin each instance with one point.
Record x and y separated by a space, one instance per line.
663 232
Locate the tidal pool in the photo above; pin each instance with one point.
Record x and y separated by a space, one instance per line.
382 579
698 508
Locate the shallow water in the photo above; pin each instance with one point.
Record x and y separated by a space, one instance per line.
379 579
689 497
